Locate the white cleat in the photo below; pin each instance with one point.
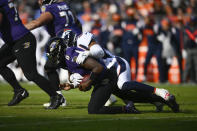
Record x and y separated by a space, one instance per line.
111 101
163 93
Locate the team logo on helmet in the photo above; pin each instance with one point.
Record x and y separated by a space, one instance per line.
55 49
69 37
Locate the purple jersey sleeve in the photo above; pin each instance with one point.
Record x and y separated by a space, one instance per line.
12 28
70 59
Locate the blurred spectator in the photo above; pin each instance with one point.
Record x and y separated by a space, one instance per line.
145 7
154 47
165 37
190 46
132 37
96 28
115 39
177 42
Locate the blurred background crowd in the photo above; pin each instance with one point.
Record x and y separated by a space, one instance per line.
141 31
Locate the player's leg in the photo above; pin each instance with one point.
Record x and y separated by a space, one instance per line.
50 69
26 58
7 57
124 82
142 97
98 98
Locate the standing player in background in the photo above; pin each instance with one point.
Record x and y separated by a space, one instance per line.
57 17
20 45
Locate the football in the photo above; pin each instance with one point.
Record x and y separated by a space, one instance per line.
85 78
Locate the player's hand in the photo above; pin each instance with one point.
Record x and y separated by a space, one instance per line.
85 86
75 79
66 86
82 56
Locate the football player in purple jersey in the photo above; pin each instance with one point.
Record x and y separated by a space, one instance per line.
20 45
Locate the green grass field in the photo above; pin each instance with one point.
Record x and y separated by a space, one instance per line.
30 114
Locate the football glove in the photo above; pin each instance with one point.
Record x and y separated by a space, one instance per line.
75 79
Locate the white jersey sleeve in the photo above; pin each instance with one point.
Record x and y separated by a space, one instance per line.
84 40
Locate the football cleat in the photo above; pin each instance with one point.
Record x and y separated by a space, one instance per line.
56 101
18 97
130 108
112 100
173 104
63 104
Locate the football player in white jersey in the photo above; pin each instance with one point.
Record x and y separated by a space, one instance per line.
87 42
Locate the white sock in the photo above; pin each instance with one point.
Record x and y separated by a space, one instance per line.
162 93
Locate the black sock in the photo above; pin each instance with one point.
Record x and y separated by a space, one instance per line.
137 86
10 77
44 84
54 79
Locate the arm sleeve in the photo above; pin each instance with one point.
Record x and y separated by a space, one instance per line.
96 51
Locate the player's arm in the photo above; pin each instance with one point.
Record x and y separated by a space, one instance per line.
96 68
95 50
44 19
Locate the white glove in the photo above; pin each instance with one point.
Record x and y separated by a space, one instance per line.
75 79
82 56
161 37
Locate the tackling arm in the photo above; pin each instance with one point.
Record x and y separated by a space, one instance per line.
96 68
96 50
44 19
